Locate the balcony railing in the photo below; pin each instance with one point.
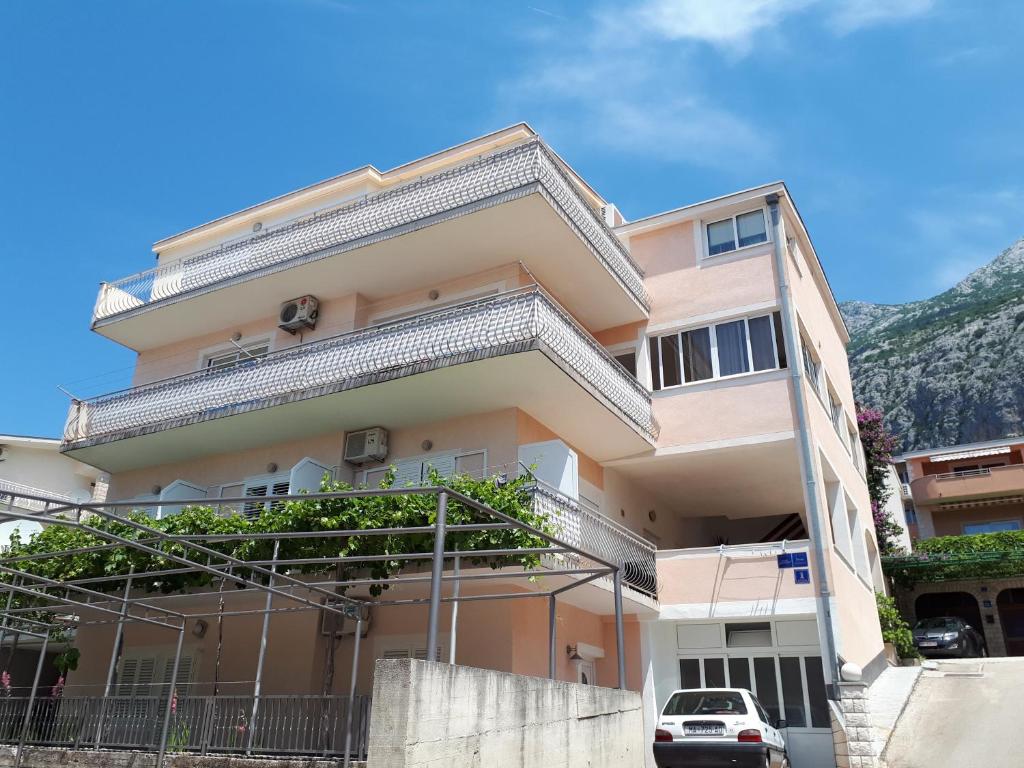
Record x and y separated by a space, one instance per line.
974 484
513 322
19 495
591 531
284 725
489 181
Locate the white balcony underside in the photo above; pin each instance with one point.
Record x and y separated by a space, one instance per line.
528 380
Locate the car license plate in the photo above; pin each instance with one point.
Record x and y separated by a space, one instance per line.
702 729
928 643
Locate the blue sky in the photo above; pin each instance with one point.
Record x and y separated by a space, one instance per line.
896 123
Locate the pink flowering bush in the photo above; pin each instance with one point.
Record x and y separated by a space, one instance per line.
879 445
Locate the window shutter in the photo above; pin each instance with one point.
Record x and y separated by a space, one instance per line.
126 678
408 473
396 653
254 508
183 679
445 466
421 654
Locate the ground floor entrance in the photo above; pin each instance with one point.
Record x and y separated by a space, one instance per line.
778 660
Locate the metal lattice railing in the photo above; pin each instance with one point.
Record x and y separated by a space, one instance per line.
502 324
454 192
284 725
591 531
21 496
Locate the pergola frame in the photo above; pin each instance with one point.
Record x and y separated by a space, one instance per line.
218 565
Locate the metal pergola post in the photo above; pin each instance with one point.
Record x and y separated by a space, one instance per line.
31 702
436 575
114 653
170 698
352 690
552 636
258 685
620 641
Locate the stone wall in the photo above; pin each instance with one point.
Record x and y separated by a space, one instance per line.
852 731
427 714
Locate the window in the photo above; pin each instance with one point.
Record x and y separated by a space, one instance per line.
992 527
811 367
715 351
910 514
736 232
416 471
835 409
628 361
705 703
247 354
262 487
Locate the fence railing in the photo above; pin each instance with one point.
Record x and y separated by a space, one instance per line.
591 531
502 324
377 217
284 724
20 495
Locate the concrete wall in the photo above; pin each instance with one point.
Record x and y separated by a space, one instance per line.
429 714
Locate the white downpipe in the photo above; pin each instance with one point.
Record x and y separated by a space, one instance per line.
812 504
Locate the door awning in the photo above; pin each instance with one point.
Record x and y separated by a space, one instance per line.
970 454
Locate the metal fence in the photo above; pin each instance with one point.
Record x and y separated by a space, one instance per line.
589 530
284 725
522 169
505 323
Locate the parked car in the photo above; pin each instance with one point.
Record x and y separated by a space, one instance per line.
711 727
948 636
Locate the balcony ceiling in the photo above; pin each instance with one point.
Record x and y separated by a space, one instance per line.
527 380
526 229
740 481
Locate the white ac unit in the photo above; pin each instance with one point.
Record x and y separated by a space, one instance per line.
366 445
298 314
339 626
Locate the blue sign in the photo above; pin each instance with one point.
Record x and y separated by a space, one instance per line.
785 560
802 576
799 559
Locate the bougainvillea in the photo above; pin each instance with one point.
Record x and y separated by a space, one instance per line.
879 445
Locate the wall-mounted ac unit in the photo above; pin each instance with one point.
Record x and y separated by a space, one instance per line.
366 445
332 623
297 314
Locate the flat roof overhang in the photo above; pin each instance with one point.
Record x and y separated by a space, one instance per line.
756 478
522 226
526 378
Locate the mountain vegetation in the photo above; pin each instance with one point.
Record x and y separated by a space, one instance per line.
948 369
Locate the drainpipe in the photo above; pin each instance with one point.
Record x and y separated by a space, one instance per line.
813 505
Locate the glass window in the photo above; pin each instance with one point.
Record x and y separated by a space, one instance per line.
766 682
721 237
670 373
762 343
994 527
751 229
792 691
705 703
816 692
739 673
780 341
697 355
628 361
714 673
689 673
230 359
732 348
655 365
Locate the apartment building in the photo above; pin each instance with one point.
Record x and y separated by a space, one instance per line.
961 490
678 385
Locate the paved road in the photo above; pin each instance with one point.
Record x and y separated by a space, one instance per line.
967 714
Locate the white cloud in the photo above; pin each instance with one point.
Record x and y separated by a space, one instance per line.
851 15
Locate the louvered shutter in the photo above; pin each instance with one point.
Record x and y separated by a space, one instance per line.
408 473
421 654
396 653
183 679
126 677
306 476
254 507
445 466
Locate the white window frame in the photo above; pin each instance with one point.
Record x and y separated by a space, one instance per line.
705 250
713 337
207 355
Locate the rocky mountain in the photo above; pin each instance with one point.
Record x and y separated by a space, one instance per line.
949 369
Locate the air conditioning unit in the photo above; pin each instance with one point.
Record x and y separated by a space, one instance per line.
331 624
366 445
298 314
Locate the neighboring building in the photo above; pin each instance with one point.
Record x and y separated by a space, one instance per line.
962 490
35 466
899 504
680 381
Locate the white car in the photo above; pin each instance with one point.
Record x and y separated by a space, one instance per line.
717 727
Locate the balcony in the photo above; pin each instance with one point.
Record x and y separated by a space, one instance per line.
514 205
741 580
970 487
518 349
